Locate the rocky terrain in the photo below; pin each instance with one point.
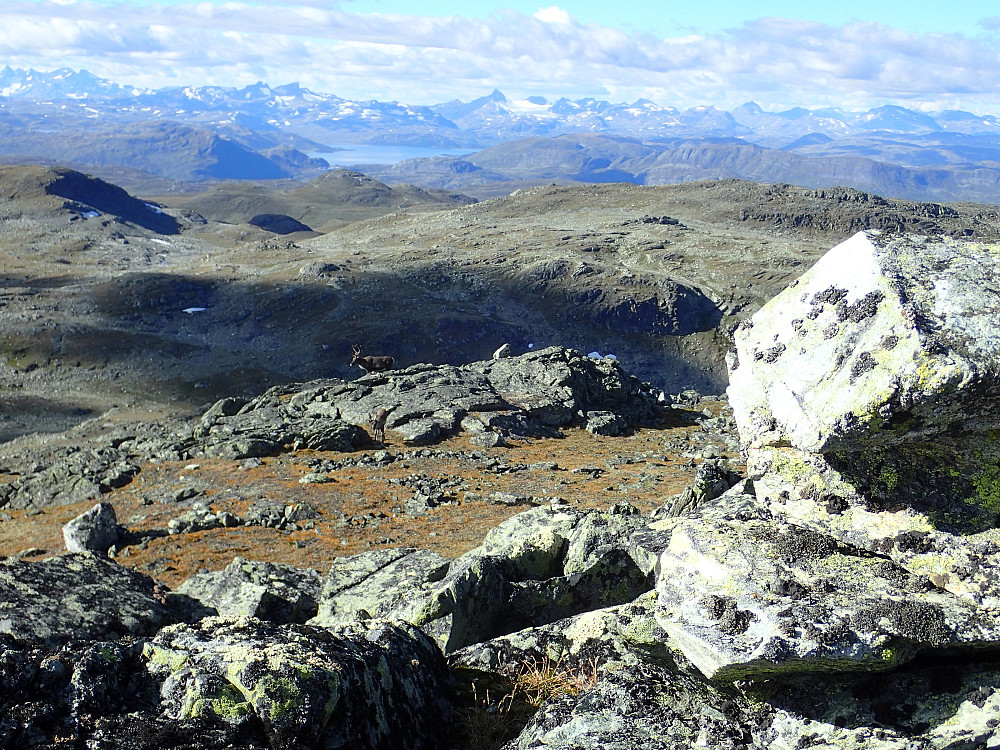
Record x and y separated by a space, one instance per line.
837 591
561 540
113 313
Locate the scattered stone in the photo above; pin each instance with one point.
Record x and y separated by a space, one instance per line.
94 531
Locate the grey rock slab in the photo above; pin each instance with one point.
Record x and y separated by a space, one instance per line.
369 685
885 340
934 534
81 597
381 583
533 543
750 599
598 532
248 588
468 605
623 635
93 531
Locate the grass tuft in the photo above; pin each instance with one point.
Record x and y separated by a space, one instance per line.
496 706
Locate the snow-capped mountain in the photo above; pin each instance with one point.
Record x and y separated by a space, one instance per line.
38 110
484 121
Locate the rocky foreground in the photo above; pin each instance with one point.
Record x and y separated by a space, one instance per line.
844 595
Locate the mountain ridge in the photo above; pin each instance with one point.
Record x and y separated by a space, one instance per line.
950 155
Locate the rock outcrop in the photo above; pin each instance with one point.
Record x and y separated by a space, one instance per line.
533 394
867 398
79 597
527 395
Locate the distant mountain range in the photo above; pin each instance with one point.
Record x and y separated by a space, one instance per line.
265 132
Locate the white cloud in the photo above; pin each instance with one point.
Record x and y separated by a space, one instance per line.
420 59
553 14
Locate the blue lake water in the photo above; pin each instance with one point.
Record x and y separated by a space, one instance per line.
366 154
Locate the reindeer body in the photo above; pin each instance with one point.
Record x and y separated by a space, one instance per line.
370 363
378 425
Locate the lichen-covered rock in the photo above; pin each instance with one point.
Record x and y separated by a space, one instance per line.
369 685
883 341
714 477
623 636
82 597
82 694
379 584
751 598
533 542
93 531
539 566
952 541
597 532
867 396
597 568
267 591
645 708
944 705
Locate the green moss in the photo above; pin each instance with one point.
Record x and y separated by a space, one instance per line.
228 703
986 487
174 661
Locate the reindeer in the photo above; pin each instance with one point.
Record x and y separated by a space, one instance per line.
371 364
378 425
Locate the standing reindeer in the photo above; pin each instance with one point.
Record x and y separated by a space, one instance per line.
378 425
371 364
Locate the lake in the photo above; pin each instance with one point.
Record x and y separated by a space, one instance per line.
368 154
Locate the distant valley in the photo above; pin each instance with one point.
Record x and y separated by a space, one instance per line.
180 139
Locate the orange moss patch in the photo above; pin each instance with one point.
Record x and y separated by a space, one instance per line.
362 508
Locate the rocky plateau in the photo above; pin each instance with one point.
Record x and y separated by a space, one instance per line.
732 481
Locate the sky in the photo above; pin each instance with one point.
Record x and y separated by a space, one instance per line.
780 54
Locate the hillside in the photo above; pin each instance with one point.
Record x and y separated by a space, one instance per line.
331 200
596 158
102 312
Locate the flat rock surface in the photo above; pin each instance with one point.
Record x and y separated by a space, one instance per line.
746 599
82 597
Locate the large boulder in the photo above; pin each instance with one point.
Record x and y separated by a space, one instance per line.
78 597
376 584
539 566
885 341
224 684
866 395
369 685
247 588
747 599
96 530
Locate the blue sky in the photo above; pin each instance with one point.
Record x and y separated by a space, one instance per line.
668 17
850 54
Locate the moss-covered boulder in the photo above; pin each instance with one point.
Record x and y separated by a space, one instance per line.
369 685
